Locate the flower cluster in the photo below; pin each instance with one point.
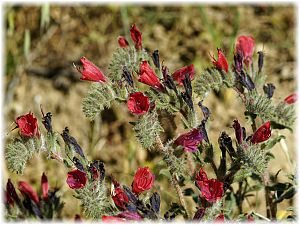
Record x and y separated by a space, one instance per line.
127 200
162 91
44 206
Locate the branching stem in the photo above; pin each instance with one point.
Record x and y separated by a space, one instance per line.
161 148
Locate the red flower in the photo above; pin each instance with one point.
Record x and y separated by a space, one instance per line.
143 180
136 37
45 186
26 189
76 179
221 63
112 219
190 140
220 218
179 74
201 176
147 76
262 134
291 99
90 71
211 189
138 103
119 197
245 47
123 43
28 125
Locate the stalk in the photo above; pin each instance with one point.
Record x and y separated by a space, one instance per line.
162 150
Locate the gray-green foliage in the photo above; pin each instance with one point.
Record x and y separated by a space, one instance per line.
98 98
51 143
264 107
259 80
212 212
94 200
175 164
129 57
252 160
19 151
168 102
147 128
212 79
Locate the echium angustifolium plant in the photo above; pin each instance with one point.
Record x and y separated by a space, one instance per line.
240 173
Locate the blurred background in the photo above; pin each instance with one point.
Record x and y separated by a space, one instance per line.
42 42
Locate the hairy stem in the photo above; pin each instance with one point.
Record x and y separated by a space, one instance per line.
190 163
161 148
271 208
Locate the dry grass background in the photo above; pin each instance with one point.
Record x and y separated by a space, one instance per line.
39 71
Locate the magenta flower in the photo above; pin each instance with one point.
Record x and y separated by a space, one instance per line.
190 140
238 131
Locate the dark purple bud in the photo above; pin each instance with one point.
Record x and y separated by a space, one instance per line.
46 120
127 76
260 60
155 58
97 170
225 142
238 131
187 98
246 81
131 196
78 164
203 130
36 210
244 132
155 202
205 110
269 90
11 191
168 80
238 62
199 214
71 142
77 218
187 85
